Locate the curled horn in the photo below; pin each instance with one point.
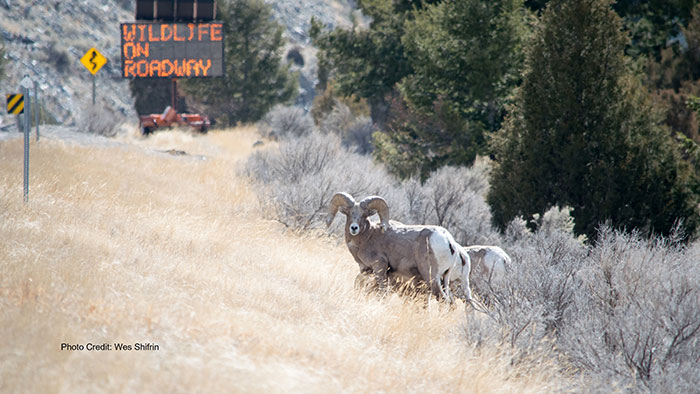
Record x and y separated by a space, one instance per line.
378 204
339 200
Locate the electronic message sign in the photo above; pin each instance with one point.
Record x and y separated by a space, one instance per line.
172 50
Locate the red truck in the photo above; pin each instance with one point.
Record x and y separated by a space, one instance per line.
169 118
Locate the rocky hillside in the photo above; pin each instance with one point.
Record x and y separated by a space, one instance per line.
45 40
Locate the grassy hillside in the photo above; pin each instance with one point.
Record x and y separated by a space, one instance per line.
124 243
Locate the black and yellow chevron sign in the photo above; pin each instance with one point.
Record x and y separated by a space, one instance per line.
15 104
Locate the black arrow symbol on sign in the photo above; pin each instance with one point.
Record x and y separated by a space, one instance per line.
92 58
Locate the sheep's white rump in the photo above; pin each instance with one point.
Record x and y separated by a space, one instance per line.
489 263
453 262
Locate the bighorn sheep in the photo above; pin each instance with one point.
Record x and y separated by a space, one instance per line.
426 251
488 262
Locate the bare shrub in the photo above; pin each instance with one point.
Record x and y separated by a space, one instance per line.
453 197
639 320
284 121
99 120
416 200
556 219
297 182
517 230
625 311
536 295
304 174
358 135
355 132
337 120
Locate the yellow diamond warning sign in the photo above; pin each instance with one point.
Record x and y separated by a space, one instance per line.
93 60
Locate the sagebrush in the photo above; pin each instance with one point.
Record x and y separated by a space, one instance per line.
99 120
623 310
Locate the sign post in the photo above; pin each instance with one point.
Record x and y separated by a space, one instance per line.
37 108
27 83
93 61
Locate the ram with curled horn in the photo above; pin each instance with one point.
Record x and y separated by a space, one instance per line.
426 252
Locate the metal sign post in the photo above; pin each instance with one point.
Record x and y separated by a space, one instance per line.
36 108
27 84
93 61
27 127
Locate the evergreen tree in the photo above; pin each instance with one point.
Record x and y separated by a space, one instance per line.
674 76
466 54
583 133
466 59
650 23
368 62
417 142
255 76
692 53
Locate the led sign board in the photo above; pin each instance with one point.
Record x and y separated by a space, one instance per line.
172 50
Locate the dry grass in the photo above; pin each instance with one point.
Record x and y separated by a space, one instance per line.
127 244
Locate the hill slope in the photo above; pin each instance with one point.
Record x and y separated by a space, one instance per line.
122 242
46 39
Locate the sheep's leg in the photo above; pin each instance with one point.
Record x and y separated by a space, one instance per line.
382 279
446 283
437 287
362 280
469 301
380 269
446 287
365 269
467 291
434 280
466 283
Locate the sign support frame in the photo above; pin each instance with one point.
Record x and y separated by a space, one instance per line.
27 130
36 110
27 84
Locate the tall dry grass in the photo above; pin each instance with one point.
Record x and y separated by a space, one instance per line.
126 244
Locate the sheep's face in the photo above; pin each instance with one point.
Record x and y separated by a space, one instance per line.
357 219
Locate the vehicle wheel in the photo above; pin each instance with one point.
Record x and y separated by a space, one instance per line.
204 129
145 130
